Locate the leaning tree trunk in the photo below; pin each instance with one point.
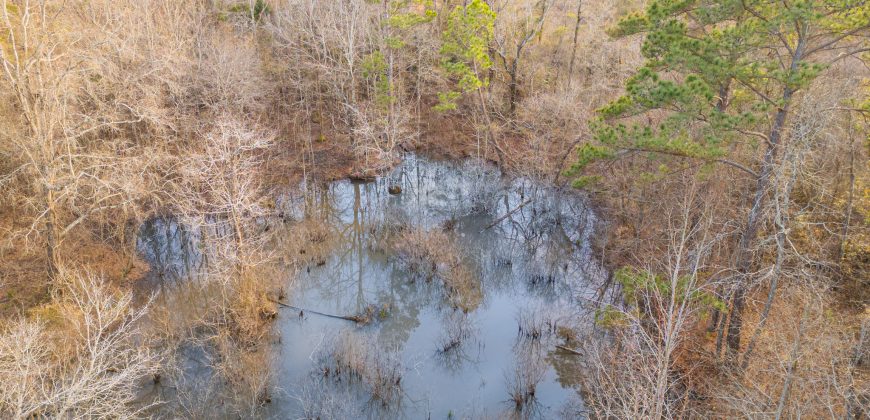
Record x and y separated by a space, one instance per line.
744 254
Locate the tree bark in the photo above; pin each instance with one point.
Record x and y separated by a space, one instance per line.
789 377
51 237
512 87
744 257
574 44
744 252
847 218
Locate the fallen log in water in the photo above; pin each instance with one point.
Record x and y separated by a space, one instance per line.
569 350
356 319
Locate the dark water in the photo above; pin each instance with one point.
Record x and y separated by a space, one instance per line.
527 248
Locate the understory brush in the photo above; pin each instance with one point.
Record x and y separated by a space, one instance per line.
79 356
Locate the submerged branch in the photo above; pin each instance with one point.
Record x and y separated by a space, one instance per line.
303 310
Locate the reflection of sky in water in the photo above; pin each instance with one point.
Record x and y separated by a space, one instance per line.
528 244
535 259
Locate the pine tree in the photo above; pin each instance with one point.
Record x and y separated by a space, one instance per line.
465 50
723 72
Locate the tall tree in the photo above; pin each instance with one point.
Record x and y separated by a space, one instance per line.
79 97
511 37
720 75
465 57
465 50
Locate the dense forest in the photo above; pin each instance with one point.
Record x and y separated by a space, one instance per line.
679 189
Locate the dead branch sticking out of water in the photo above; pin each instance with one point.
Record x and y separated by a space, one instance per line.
358 357
302 311
569 350
523 385
536 323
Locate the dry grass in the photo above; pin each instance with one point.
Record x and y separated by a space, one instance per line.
227 312
306 242
247 374
250 307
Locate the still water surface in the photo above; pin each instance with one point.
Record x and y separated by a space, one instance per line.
526 244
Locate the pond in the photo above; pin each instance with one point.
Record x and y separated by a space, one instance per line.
441 291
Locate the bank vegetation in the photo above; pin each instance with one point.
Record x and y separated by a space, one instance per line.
723 143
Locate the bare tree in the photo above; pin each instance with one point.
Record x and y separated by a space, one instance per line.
86 362
83 99
517 25
639 378
221 186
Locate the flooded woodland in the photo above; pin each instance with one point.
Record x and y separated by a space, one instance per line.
434 209
443 289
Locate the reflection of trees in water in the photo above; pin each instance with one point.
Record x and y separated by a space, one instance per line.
537 254
357 270
457 345
344 211
172 250
436 191
568 367
406 299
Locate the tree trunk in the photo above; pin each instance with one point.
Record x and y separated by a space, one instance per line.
574 44
512 87
789 377
781 222
847 218
50 234
717 318
744 254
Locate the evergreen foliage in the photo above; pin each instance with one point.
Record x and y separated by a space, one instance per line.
717 83
465 50
717 70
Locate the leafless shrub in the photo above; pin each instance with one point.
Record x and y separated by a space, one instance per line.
319 400
458 328
189 383
432 254
421 251
228 76
79 357
247 375
522 384
221 185
636 375
806 369
357 357
537 323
